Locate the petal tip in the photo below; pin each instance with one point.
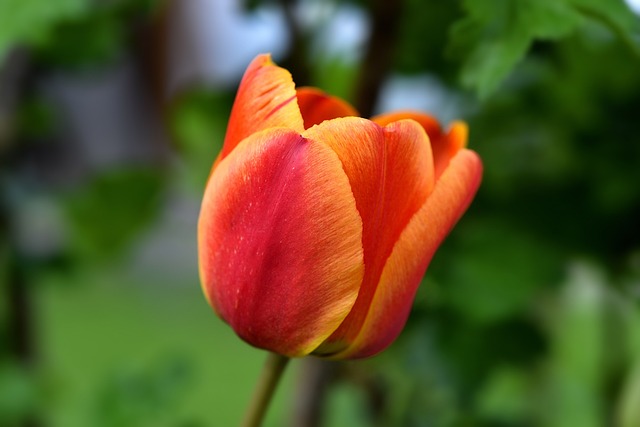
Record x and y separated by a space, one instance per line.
459 133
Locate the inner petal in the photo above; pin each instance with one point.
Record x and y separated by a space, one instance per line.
390 170
317 106
444 145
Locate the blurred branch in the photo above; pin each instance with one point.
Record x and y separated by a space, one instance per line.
316 376
14 77
378 58
296 62
152 44
20 316
13 74
373 388
315 381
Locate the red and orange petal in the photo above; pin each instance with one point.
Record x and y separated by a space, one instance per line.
317 106
266 98
412 253
390 170
280 242
444 145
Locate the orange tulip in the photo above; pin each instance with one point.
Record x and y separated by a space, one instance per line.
317 226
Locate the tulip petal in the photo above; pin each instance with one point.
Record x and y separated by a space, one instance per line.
280 242
390 171
266 98
413 252
317 106
444 145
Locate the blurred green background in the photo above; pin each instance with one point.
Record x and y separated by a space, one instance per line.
112 112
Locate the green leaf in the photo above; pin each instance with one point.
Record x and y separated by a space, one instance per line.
614 14
581 340
495 35
628 410
103 36
30 21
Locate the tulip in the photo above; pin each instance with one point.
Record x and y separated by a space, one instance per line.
317 226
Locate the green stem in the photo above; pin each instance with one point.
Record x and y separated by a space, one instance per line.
271 374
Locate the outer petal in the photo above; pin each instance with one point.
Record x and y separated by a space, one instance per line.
444 145
391 173
279 241
413 252
266 98
317 106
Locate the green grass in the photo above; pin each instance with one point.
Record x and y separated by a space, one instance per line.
101 340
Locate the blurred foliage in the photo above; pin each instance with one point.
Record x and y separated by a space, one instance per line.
102 30
69 32
423 36
335 76
20 395
198 120
35 118
145 398
106 212
496 34
530 313
572 380
31 21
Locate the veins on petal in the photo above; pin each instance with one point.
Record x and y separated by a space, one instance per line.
279 106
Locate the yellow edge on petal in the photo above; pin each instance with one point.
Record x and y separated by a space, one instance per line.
412 254
459 132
